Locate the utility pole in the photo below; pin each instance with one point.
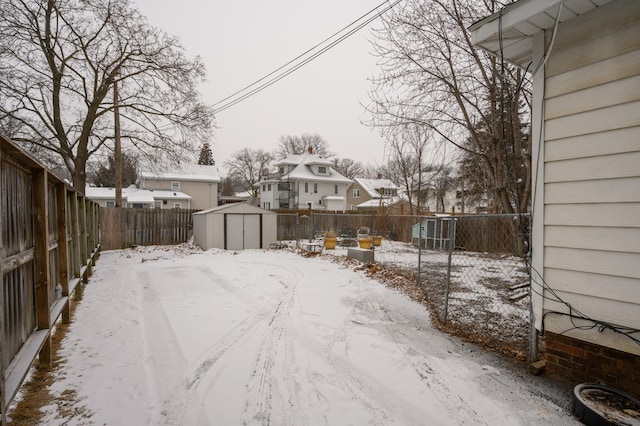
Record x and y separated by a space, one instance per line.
117 154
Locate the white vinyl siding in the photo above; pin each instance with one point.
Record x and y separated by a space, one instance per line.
591 245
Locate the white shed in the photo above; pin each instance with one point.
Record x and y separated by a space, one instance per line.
235 226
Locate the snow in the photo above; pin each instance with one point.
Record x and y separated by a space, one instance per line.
176 335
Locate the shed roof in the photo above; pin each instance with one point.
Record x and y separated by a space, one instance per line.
238 208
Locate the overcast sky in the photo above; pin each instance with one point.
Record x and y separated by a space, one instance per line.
241 42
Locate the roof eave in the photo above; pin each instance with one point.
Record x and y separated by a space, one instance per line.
509 33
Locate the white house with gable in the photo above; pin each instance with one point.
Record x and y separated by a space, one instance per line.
304 181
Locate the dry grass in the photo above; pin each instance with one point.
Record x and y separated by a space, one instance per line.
36 393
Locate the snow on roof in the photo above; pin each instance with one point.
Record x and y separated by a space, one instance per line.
379 202
139 196
304 159
372 185
100 193
190 172
303 171
238 207
243 194
333 198
134 195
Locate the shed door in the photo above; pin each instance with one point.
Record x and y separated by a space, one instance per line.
242 231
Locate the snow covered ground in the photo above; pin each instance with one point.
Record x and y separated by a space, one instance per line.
178 336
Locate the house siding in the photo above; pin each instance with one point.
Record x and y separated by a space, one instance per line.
204 195
591 187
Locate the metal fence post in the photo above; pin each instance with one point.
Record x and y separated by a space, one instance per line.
297 230
452 226
420 252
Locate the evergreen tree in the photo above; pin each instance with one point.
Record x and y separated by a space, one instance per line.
206 156
105 175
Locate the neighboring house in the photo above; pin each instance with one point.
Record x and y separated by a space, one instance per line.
139 198
441 203
364 190
304 181
586 201
376 196
199 181
238 197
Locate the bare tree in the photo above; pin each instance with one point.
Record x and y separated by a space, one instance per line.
246 166
348 168
407 150
59 60
300 144
227 186
432 76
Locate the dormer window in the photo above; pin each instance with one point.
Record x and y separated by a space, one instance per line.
281 169
322 170
175 186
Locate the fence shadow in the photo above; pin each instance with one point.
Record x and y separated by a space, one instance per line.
48 243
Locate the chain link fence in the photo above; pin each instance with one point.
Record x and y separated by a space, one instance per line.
471 269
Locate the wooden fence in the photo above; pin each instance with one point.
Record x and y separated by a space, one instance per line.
48 243
126 227
482 233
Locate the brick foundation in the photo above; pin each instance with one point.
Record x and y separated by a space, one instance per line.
582 362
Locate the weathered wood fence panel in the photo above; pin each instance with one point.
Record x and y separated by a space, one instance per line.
481 233
48 241
126 227
395 227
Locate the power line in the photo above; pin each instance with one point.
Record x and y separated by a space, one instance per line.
232 99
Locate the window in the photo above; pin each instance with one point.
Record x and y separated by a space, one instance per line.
351 207
335 189
322 169
157 204
111 203
269 187
266 205
177 205
306 187
281 169
264 187
175 186
315 188
356 193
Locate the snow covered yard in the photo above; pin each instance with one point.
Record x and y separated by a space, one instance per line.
488 299
174 335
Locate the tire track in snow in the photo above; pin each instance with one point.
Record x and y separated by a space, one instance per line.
258 406
202 377
162 355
